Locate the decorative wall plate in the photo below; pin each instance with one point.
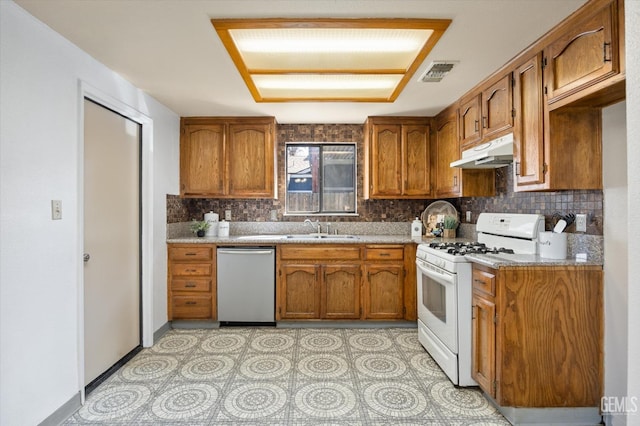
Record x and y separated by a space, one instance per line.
435 213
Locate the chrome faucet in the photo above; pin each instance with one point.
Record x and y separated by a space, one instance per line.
315 224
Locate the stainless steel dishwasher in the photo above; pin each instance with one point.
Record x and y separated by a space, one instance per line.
246 285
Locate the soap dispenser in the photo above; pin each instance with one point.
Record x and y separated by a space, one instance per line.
416 228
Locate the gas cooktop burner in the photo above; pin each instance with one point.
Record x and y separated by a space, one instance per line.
460 249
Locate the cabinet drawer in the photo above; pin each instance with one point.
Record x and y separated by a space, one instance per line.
191 269
190 253
191 307
484 282
190 285
320 252
384 253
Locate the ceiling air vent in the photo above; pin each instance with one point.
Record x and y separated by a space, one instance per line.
436 71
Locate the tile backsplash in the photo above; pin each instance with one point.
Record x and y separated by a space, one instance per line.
506 200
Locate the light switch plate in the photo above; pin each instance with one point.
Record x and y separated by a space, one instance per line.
56 209
227 215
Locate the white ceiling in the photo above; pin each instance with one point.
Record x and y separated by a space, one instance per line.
170 50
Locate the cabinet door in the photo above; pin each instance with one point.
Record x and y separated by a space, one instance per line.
417 167
447 150
299 292
341 292
202 160
384 298
497 108
483 365
250 161
528 149
386 160
470 127
586 54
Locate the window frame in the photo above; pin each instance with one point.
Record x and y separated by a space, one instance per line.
321 189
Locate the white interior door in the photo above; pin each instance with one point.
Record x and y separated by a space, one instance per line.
111 238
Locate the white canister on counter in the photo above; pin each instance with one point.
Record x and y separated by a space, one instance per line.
223 229
552 245
212 218
416 228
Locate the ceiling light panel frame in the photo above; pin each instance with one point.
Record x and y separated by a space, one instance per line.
323 55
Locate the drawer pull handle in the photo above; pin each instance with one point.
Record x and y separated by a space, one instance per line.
190 303
478 281
191 270
385 254
190 254
190 285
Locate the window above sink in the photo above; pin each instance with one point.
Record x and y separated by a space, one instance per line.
320 179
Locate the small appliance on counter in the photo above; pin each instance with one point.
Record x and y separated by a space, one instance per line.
212 219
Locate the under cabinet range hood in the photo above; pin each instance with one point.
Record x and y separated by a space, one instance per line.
490 155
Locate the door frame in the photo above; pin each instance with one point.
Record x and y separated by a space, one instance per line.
146 214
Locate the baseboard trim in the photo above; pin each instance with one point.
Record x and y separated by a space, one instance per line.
65 411
161 332
347 324
186 324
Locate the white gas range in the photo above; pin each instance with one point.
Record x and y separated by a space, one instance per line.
445 286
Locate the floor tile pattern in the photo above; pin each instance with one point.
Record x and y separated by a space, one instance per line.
272 376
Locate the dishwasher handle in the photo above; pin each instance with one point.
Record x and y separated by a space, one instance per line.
240 251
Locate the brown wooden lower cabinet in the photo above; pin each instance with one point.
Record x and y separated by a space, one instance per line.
323 282
319 291
314 282
538 341
191 290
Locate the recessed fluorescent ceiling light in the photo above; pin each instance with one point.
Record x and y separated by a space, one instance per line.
328 59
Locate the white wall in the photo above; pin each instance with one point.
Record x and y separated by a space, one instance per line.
40 258
632 36
614 138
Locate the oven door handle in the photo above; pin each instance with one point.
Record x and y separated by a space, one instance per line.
436 273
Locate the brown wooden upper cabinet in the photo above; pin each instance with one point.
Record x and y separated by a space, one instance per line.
397 158
553 149
224 157
488 114
452 181
586 53
446 150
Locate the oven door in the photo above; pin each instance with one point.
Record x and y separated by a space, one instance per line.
437 303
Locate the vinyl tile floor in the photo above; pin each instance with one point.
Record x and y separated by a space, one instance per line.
274 376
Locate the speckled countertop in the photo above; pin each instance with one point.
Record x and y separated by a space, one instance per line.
298 239
509 260
270 234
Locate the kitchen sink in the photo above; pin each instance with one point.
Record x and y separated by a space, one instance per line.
322 237
271 237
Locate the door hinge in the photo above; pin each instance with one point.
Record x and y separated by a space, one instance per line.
545 90
495 387
513 113
513 81
545 169
544 63
495 319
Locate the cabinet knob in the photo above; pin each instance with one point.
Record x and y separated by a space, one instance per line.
86 257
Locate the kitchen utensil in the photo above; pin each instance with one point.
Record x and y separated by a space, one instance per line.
560 226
